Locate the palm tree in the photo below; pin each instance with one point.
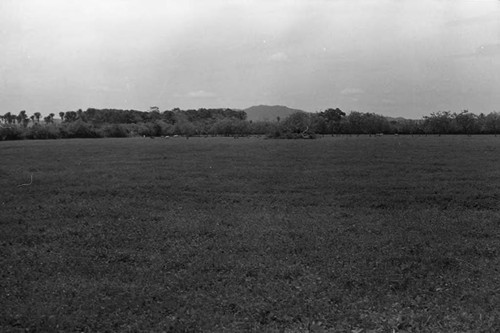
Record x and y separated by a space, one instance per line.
7 117
37 116
79 113
22 117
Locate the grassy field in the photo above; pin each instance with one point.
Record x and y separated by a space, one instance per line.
344 234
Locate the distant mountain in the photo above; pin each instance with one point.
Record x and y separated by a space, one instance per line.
269 113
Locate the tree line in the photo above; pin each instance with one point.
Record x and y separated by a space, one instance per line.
95 123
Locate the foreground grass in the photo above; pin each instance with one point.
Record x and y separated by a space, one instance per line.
342 234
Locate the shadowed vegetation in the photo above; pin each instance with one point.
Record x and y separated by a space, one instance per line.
96 123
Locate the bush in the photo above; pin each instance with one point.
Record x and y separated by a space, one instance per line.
79 129
297 126
298 122
11 133
147 129
274 133
39 132
290 135
115 131
261 127
165 128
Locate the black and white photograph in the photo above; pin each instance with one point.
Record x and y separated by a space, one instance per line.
250 166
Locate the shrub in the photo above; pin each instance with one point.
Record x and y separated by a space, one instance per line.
290 135
297 126
261 127
165 128
298 122
79 129
274 133
39 132
11 133
115 131
147 129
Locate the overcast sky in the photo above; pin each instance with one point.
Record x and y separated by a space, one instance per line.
393 57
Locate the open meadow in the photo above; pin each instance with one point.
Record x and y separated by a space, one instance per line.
338 234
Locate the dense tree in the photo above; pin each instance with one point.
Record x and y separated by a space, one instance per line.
492 123
466 122
297 125
228 122
440 122
153 115
320 124
373 123
407 126
298 122
333 117
168 117
262 127
355 123
230 127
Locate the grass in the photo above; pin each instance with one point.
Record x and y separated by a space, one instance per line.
345 234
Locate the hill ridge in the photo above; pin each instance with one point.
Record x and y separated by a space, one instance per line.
264 112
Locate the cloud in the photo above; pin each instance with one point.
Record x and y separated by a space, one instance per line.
200 94
279 57
352 91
